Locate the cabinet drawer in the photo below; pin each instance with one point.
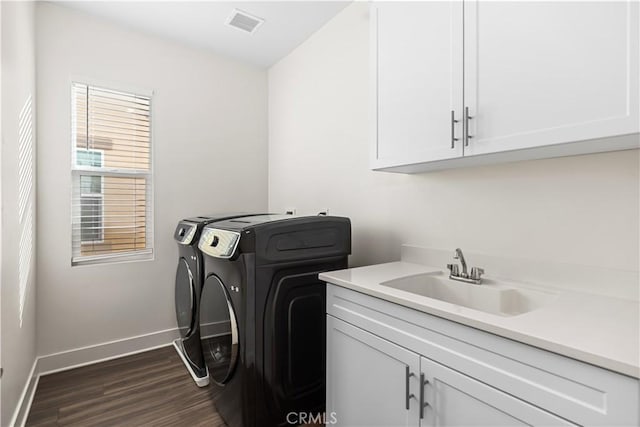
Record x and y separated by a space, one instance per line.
576 391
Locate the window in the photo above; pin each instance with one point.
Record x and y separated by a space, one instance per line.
91 198
112 175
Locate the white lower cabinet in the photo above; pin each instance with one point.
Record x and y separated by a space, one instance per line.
454 399
371 381
389 365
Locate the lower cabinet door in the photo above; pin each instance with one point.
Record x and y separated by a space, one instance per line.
370 381
455 399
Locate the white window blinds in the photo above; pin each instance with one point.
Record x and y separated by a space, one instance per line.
112 175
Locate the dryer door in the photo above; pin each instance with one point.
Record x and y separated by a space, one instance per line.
218 330
185 298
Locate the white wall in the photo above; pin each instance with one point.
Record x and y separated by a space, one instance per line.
210 154
18 342
582 210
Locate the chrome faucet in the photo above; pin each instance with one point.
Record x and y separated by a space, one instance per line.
454 272
460 256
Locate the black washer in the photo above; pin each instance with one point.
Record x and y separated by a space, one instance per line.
263 308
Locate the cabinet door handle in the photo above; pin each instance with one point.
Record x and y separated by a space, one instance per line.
467 117
408 396
423 404
453 129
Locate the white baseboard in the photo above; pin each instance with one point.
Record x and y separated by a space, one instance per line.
19 417
83 356
75 358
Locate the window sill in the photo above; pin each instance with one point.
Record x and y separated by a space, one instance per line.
146 255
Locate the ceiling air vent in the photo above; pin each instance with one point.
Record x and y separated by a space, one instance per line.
243 21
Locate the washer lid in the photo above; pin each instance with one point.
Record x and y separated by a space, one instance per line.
218 243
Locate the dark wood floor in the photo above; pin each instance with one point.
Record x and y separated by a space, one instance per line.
146 389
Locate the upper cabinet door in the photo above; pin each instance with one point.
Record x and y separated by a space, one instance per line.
542 73
417 81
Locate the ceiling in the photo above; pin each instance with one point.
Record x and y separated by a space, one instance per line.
202 23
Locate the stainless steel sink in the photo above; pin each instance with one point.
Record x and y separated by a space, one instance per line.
491 297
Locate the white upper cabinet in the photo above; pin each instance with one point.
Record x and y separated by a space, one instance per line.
538 79
417 81
541 73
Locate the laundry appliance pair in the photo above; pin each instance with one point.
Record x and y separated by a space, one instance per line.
188 290
251 310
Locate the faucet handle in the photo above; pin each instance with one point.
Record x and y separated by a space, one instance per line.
453 269
476 273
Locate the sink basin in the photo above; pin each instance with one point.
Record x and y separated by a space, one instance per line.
490 297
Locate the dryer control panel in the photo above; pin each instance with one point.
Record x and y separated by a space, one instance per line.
218 243
185 231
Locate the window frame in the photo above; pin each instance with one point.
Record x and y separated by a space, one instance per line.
92 195
147 254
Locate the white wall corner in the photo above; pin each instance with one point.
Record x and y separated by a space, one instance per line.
21 412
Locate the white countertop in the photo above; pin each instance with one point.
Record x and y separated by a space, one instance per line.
601 330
